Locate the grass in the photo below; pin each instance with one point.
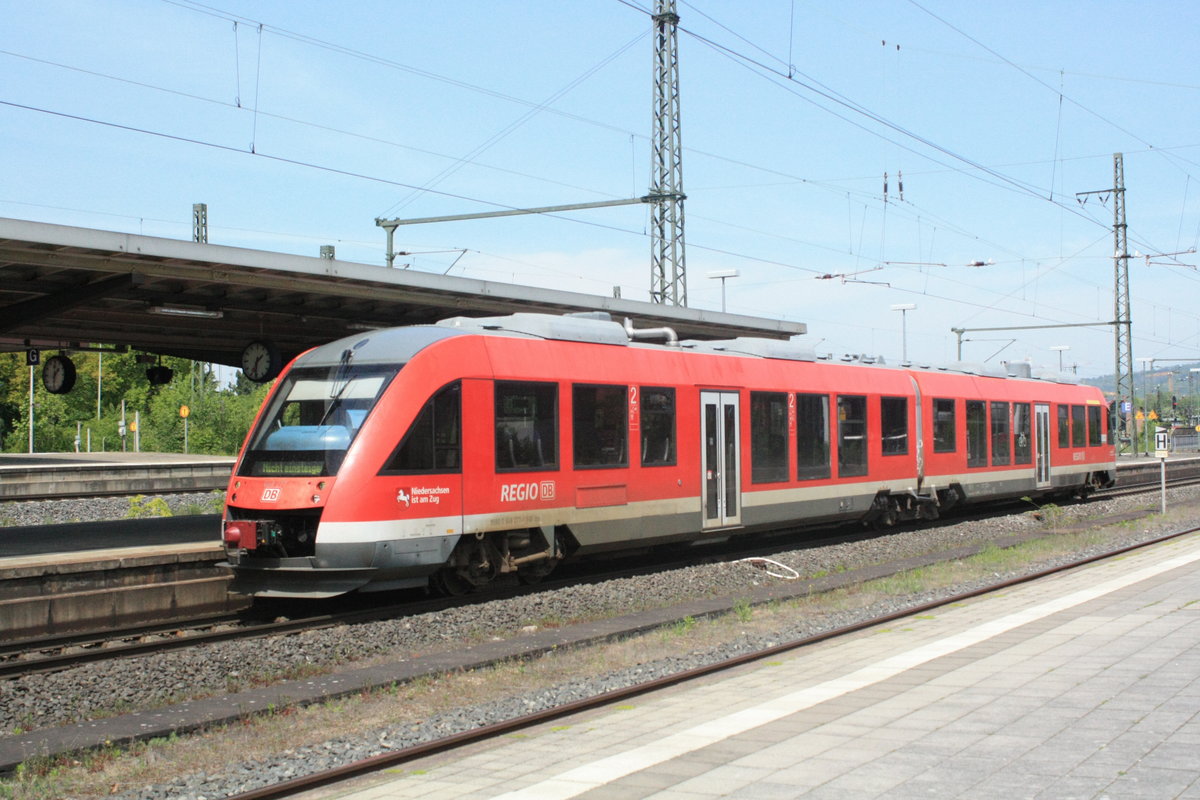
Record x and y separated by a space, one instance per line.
1050 514
142 507
743 610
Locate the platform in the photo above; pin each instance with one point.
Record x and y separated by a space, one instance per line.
98 590
30 476
1081 685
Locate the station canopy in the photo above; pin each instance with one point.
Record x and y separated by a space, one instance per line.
65 288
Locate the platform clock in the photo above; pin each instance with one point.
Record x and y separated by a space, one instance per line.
261 361
58 374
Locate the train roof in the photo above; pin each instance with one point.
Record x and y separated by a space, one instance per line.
382 346
390 345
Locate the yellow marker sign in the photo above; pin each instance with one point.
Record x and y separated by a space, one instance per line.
184 411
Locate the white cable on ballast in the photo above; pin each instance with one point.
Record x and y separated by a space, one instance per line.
761 563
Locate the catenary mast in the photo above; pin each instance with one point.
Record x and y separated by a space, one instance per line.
1122 321
668 277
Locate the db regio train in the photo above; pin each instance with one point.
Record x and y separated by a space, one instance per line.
449 455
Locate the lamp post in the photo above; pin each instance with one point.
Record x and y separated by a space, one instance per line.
723 274
1060 348
904 308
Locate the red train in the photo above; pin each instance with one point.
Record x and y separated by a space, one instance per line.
454 453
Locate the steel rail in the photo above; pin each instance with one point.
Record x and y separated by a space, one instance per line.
386 760
16 660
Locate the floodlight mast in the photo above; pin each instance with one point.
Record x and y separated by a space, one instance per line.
904 308
723 275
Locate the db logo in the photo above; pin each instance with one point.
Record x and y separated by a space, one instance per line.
270 494
402 497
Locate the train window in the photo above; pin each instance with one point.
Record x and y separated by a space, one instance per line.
1095 429
600 426
657 410
526 426
1078 426
1022 441
433 443
768 437
977 433
1001 434
1064 426
812 436
944 426
313 417
893 418
852 436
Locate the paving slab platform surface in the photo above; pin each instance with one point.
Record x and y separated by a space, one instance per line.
1082 685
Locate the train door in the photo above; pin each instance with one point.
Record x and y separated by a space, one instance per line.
1041 443
720 459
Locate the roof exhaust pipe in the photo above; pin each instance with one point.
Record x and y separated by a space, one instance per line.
667 334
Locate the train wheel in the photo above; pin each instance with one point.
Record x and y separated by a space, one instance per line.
449 583
532 573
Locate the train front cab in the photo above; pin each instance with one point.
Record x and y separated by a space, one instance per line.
323 500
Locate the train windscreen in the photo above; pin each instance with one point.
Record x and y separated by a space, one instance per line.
313 418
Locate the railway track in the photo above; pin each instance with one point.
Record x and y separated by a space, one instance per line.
518 648
393 759
51 654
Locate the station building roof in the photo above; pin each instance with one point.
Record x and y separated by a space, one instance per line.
63 287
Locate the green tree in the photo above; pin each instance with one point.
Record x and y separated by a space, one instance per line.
219 419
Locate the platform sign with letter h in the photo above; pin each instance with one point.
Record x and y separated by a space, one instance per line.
1160 451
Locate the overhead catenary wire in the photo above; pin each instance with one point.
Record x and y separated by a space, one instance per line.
829 94
517 123
783 262
208 9
337 48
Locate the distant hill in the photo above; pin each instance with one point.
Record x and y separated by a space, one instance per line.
1173 377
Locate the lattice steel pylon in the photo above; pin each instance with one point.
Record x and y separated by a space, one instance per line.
668 275
1122 319
200 222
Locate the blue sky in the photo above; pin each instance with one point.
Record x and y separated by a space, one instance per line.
299 123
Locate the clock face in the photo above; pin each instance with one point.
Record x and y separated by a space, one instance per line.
58 374
260 361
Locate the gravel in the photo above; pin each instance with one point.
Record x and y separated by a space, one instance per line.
45 700
97 509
